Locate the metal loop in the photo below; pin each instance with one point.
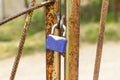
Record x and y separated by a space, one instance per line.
62 21
64 33
53 28
62 26
55 25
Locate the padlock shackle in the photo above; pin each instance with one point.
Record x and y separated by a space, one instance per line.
61 26
53 28
62 20
64 32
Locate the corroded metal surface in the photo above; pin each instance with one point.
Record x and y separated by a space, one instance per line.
104 11
116 9
22 41
52 59
73 31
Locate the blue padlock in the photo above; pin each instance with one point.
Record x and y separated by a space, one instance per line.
56 43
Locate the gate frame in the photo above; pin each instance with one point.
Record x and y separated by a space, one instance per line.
73 32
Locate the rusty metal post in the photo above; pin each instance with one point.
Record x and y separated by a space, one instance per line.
73 31
22 41
52 59
104 11
116 9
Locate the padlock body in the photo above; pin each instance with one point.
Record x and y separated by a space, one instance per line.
56 43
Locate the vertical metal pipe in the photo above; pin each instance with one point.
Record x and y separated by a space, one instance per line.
116 9
104 11
52 59
57 59
73 31
57 62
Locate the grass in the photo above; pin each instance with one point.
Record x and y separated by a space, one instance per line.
10 34
90 32
36 42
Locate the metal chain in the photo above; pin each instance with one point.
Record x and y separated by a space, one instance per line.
22 41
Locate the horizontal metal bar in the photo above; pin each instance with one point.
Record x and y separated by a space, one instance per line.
25 11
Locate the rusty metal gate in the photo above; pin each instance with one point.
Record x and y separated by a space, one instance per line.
72 21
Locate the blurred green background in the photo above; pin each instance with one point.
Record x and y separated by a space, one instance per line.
89 16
